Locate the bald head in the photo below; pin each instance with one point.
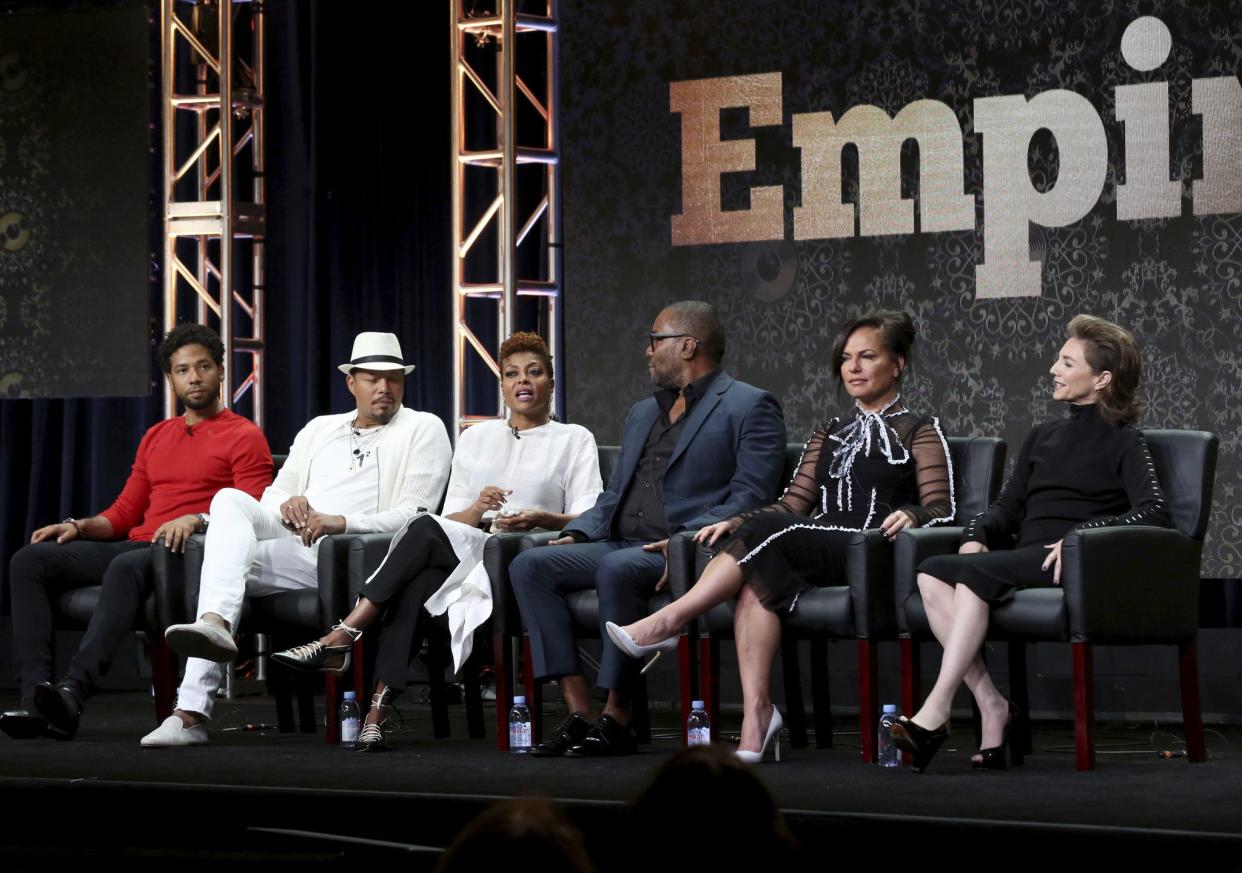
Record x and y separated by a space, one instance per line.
699 320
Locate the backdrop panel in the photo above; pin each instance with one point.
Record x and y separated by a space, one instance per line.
74 162
717 150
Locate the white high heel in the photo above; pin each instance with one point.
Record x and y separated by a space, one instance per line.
626 643
774 730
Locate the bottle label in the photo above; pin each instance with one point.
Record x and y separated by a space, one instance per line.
519 735
698 736
349 731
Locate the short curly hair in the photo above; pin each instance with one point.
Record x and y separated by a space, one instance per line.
525 341
189 334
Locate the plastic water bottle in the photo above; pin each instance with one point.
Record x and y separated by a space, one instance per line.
886 754
351 718
519 727
698 731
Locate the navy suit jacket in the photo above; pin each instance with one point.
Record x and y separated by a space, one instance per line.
728 459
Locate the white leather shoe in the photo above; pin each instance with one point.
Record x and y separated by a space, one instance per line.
202 639
774 730
173 732
626 643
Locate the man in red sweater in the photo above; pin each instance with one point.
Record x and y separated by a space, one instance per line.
181 463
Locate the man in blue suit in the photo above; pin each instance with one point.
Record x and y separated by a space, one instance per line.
703 448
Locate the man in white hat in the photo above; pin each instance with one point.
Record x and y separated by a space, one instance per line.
367 470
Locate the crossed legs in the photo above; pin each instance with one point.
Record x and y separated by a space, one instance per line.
756 631
959 621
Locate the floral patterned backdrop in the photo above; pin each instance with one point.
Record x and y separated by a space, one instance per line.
74 211
980 364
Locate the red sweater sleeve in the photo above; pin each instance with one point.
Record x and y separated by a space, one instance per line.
252 463
131 504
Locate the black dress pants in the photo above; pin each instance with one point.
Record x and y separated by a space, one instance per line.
41 572
413 570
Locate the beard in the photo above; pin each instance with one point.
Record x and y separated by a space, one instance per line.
207 400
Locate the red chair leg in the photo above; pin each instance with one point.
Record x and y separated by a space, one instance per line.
685 680
1084 706
911 675
502 653
911 682
709 681
1192 710
163 675
868 696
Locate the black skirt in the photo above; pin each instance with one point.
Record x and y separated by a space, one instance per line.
783 554
993 576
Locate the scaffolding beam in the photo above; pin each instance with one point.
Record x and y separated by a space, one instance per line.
504 192
215 219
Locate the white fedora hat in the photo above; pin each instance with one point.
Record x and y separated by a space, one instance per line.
376 351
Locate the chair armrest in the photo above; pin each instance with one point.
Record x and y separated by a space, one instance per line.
537 539
332 571
869 574
1131 585
170 580
684 565
498 552
911 548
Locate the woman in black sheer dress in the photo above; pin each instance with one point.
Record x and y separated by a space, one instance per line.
880 466
1090 469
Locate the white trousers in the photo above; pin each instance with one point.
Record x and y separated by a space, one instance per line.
248 552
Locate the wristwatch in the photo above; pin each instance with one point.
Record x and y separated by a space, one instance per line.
204 519
73 521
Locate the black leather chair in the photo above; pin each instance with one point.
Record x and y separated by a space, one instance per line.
289 618
366 551
509 630
717 624
73 609
1130 585
862 609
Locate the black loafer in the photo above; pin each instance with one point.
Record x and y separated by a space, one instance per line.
22 724
61 706
608 737
568 733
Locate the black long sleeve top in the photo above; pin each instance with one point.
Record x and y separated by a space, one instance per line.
1075 473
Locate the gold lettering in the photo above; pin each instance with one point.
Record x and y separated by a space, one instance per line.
704 157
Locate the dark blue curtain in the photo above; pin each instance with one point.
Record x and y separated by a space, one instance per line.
358 239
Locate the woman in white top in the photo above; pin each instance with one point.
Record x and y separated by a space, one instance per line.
527 473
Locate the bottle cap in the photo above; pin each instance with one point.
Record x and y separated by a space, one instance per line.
351 695
696 704
519 700
890 707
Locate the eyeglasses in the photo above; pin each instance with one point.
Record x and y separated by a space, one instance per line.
654 338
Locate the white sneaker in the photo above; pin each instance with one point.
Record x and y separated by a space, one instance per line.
202 639
173 732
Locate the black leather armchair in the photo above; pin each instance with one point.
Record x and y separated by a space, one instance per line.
1119 586
73 609
290 617
862 609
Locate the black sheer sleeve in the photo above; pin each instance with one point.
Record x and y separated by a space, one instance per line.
1138 474
998 525
934 472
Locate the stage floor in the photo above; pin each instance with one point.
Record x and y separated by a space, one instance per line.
1133 794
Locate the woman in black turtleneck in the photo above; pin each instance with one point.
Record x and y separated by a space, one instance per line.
1090 469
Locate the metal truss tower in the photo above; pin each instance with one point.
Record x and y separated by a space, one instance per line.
506 191
214 213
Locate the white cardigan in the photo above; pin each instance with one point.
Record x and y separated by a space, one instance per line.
413 459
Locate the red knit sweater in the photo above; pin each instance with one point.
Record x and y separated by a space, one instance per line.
178 470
